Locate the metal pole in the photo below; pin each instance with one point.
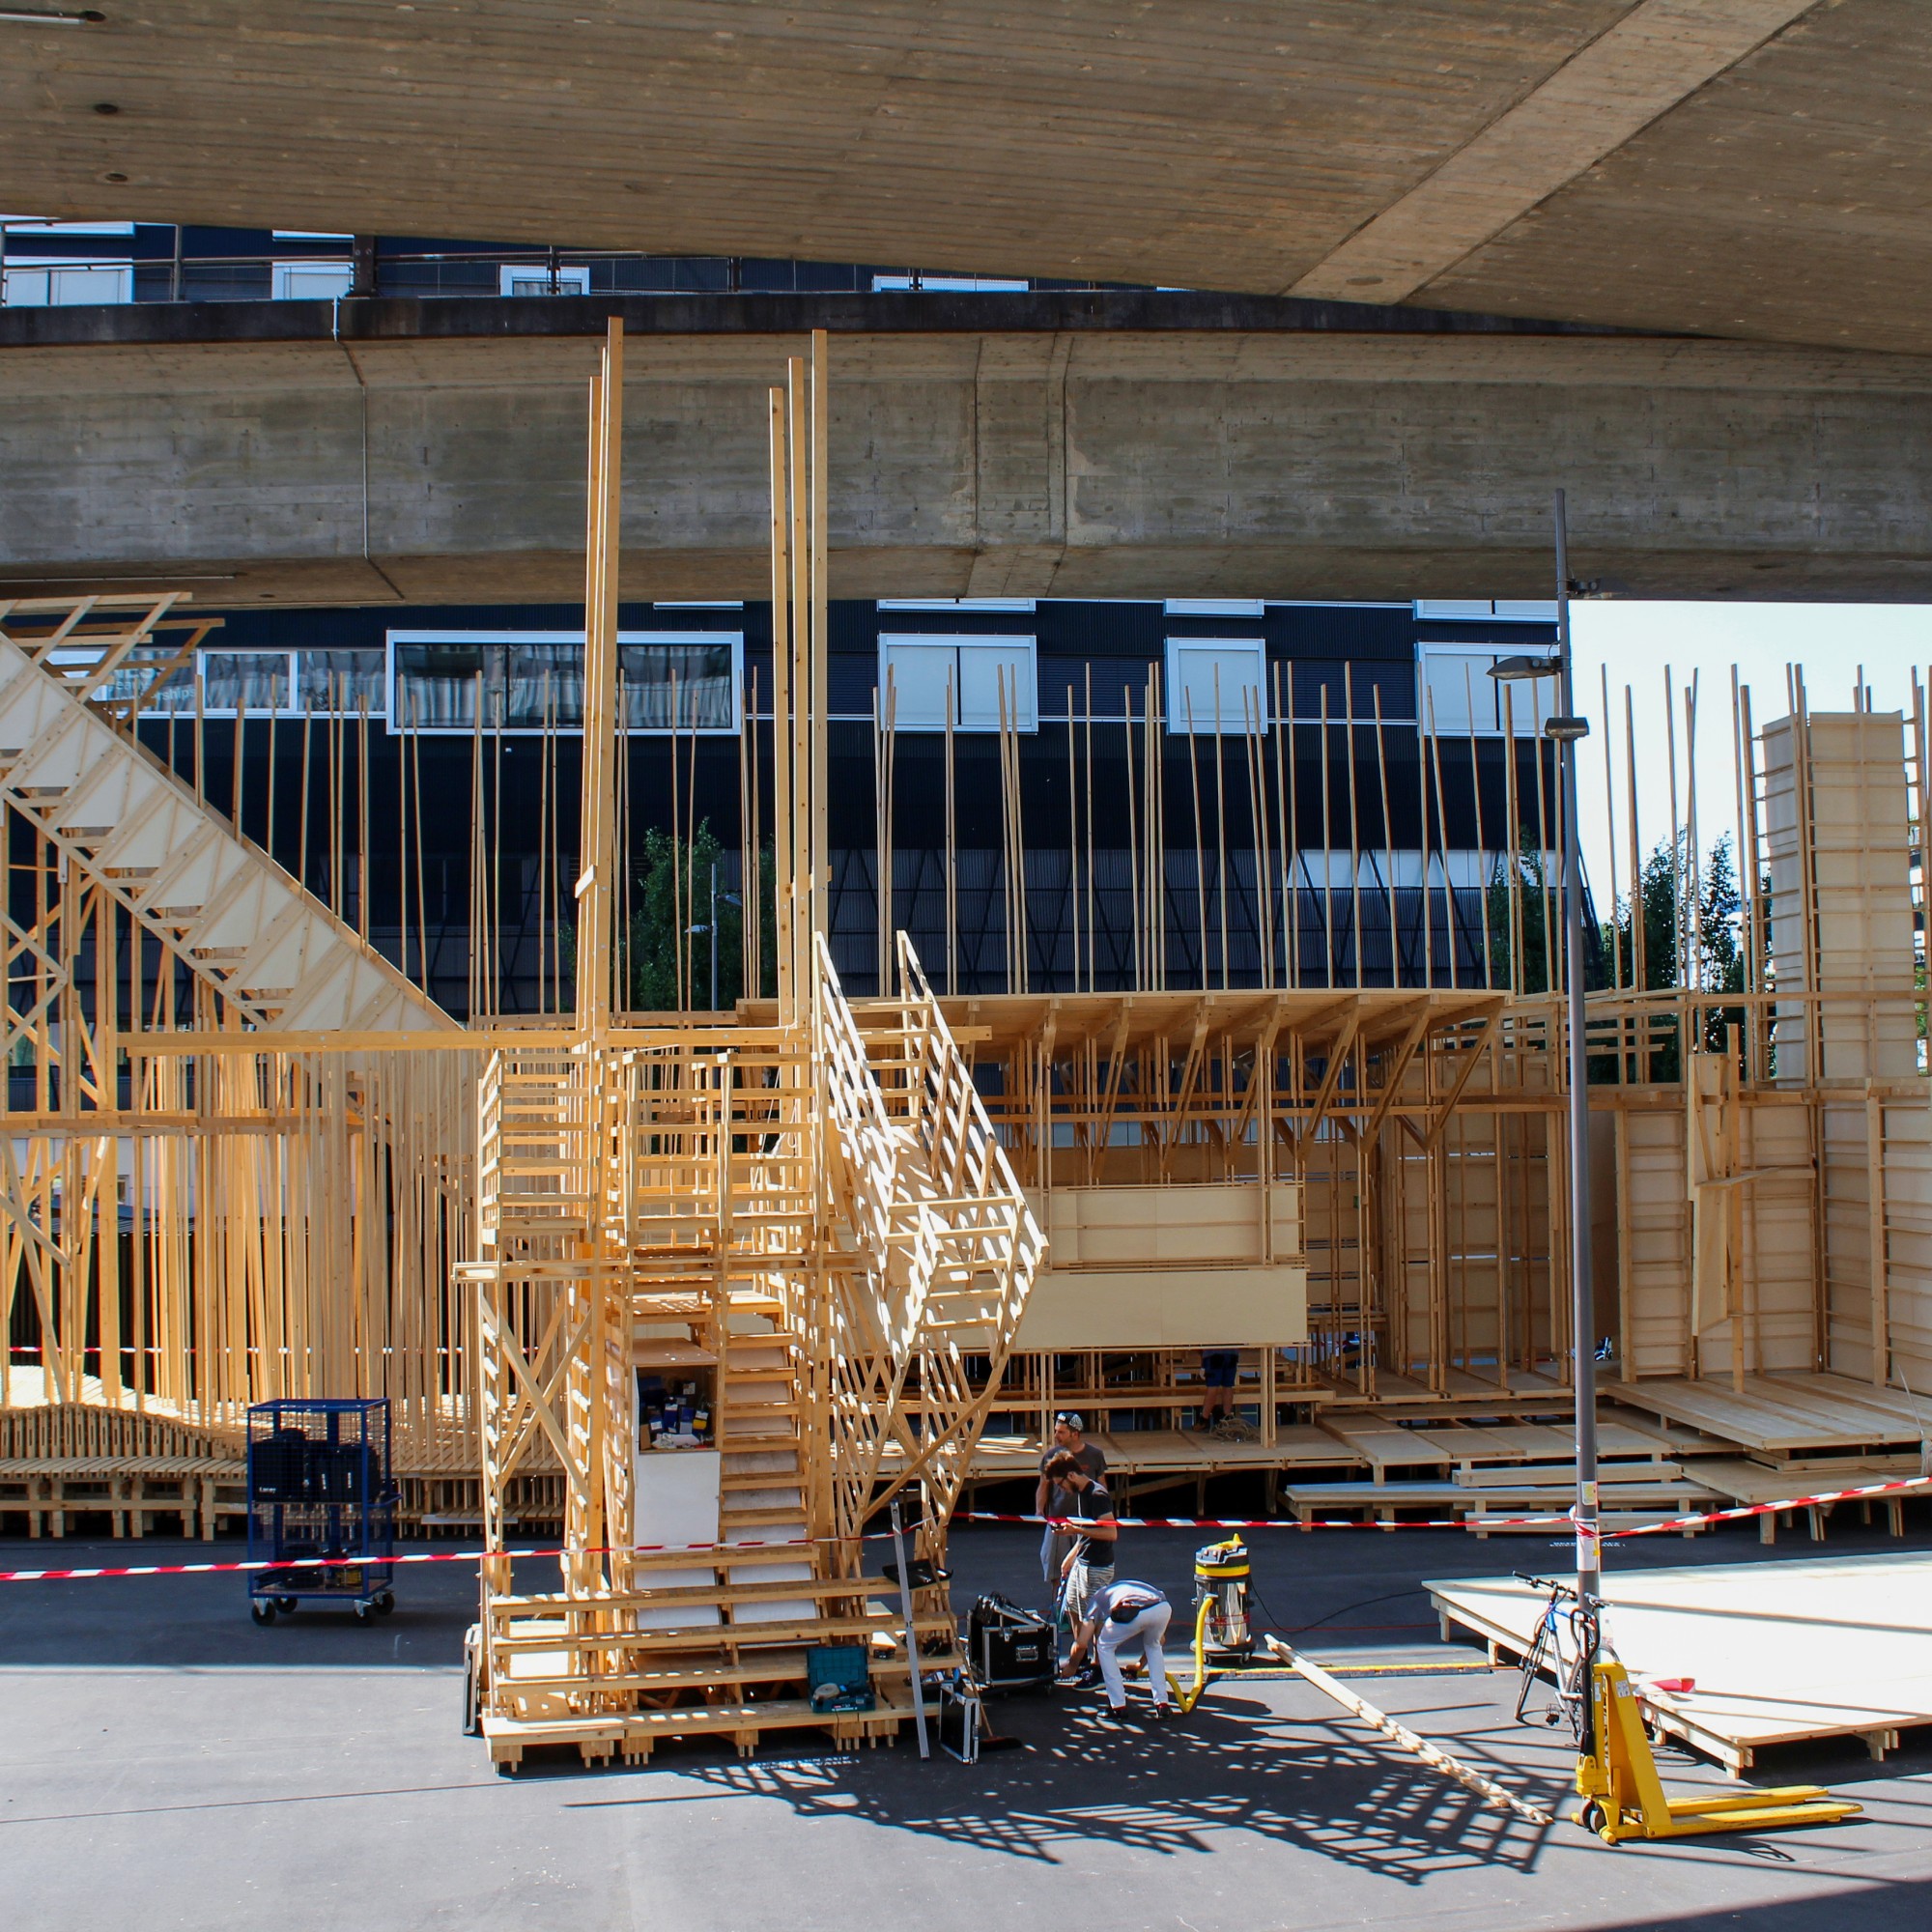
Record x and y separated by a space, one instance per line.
911 1631
1583 1308
714 935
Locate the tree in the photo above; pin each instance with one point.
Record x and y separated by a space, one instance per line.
1711 941
671 906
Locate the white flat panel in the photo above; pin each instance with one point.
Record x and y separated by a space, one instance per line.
986 666
311 281
920 677
1216 685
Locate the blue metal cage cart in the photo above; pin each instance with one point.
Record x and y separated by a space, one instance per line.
321 1506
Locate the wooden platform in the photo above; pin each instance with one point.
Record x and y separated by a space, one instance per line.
1823 1648
1791 1417
1475 1503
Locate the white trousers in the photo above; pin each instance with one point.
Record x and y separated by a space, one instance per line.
1147 1629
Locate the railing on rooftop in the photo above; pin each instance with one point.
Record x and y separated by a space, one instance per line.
47 264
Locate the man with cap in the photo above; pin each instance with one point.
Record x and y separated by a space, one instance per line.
1089 1565
1055 1500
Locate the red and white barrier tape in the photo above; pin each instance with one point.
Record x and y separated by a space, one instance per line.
404 1556
1864 1491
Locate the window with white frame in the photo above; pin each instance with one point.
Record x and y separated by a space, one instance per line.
996 604
1216 607
976 681
1217 686
258 683
537 278
1460 699
1480 609
311 281
532 681
55 284
940 285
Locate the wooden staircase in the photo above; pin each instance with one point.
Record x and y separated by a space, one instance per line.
214 898
742 1208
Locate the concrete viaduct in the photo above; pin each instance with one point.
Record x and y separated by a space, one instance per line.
1039 446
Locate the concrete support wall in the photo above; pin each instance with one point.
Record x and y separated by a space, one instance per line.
1104 462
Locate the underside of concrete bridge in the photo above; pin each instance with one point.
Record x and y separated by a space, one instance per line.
981 445
1750 168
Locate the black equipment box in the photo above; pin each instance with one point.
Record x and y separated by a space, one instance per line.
1009 1648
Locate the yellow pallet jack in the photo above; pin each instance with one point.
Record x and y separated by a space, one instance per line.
1624 1798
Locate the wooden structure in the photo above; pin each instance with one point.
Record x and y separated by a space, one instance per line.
247 1157
819 1217
1834 1649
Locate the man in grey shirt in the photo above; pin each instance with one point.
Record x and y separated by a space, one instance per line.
1054 1499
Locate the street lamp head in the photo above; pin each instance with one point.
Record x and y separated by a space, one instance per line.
1511 670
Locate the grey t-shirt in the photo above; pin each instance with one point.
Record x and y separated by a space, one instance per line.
1089 1455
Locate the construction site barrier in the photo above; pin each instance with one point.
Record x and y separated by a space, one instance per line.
1073 1524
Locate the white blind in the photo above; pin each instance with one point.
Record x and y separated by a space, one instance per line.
914 670
1216 685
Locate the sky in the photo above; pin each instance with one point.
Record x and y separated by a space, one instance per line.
1639 641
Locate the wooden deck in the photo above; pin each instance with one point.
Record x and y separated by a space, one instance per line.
1823 1648
1791 1417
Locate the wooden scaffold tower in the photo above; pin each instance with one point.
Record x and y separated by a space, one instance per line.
814 1221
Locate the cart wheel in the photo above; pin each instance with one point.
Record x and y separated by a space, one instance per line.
1591 1817
365 1614
262 1610
286 1604
386 1602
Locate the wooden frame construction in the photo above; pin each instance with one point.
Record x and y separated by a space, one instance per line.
246 1157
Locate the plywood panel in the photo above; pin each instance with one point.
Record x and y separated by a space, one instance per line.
1842 919
1656 1245
1166 1308
1235 1222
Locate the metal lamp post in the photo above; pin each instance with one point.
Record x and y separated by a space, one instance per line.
1565 729
718 899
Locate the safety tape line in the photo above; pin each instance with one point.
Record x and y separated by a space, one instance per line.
1074 1524
731 1550
1864 1491
1078 1525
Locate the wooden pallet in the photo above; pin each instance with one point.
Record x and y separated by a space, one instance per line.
1827 1647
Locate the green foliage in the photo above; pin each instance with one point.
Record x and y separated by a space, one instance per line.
675 877
1535 896
1709 936
670 888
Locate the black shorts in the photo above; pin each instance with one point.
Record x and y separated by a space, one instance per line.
1218 1367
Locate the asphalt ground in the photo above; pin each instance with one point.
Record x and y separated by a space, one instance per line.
166 1763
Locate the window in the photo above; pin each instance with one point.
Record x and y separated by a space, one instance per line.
537 278
1217 686
257 683
529 681
920 676
53 284
948 285
1464 609
1025 604
1216 607
311 281
340 683
1461 698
